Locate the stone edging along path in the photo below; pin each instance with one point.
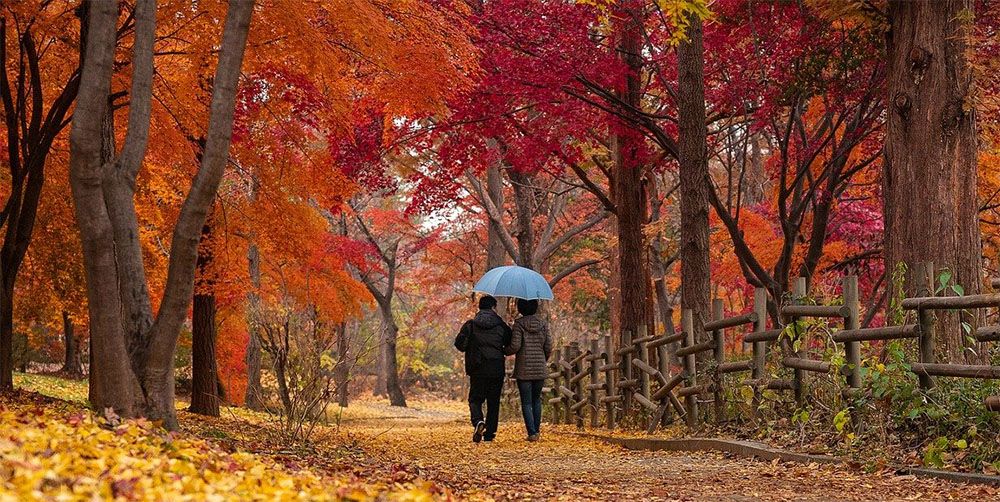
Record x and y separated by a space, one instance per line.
753 449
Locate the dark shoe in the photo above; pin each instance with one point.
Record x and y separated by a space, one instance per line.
477 436
533 437
488 440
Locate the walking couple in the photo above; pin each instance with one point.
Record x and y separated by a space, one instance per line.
486 339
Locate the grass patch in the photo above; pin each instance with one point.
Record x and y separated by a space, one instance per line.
52 386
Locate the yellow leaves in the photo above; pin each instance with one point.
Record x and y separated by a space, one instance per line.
680 13
50 450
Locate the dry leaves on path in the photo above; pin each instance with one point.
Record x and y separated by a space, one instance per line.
564 466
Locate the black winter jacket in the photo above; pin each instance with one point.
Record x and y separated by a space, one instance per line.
483 339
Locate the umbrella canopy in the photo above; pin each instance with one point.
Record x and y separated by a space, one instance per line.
515 282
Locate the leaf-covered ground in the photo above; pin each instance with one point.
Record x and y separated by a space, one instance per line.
58 450
564 466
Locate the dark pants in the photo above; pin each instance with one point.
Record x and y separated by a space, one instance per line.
531 404
486 389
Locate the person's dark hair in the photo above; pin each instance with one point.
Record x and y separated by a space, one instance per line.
527 307
487 302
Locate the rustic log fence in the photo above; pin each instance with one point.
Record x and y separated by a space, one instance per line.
633 379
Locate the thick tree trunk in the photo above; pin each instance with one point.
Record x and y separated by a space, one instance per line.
633 267
113 383
695 271
391 369
135 371
930 153
204 373
71 361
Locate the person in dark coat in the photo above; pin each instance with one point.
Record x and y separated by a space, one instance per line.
532 346
483 339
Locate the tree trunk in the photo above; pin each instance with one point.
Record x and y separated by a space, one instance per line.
694 179
524 202
254 398
342 374
6 337
496 255
280 374
391 369
71 362
633 268
380 388
204 373
135 377
930 177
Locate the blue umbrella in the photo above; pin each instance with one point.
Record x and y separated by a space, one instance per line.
516 282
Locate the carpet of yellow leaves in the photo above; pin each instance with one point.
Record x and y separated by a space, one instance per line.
55 450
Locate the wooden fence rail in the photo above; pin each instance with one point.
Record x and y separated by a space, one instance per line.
634 379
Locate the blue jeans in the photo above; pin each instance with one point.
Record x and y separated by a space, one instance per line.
531 404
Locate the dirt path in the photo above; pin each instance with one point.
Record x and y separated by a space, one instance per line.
567 467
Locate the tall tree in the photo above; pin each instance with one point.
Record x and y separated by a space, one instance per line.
134 352
629 197
205 385
696 276
930 177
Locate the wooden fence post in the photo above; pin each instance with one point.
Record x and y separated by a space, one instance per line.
663 355
595 380
759 348
626 360
643 356
719 351
691 401
609 380
567 376
556 382
852 350
923 275
578 388
799 293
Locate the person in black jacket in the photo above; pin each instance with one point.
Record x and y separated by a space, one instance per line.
483 339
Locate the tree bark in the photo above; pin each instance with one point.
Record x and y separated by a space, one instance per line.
496 254
254 398
204 372
380 389
524 203
930 177
694 178
633 268
391 369
342 373
71 361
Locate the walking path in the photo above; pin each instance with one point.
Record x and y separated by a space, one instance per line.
564 466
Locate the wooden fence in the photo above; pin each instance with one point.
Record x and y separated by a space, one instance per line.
606 381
